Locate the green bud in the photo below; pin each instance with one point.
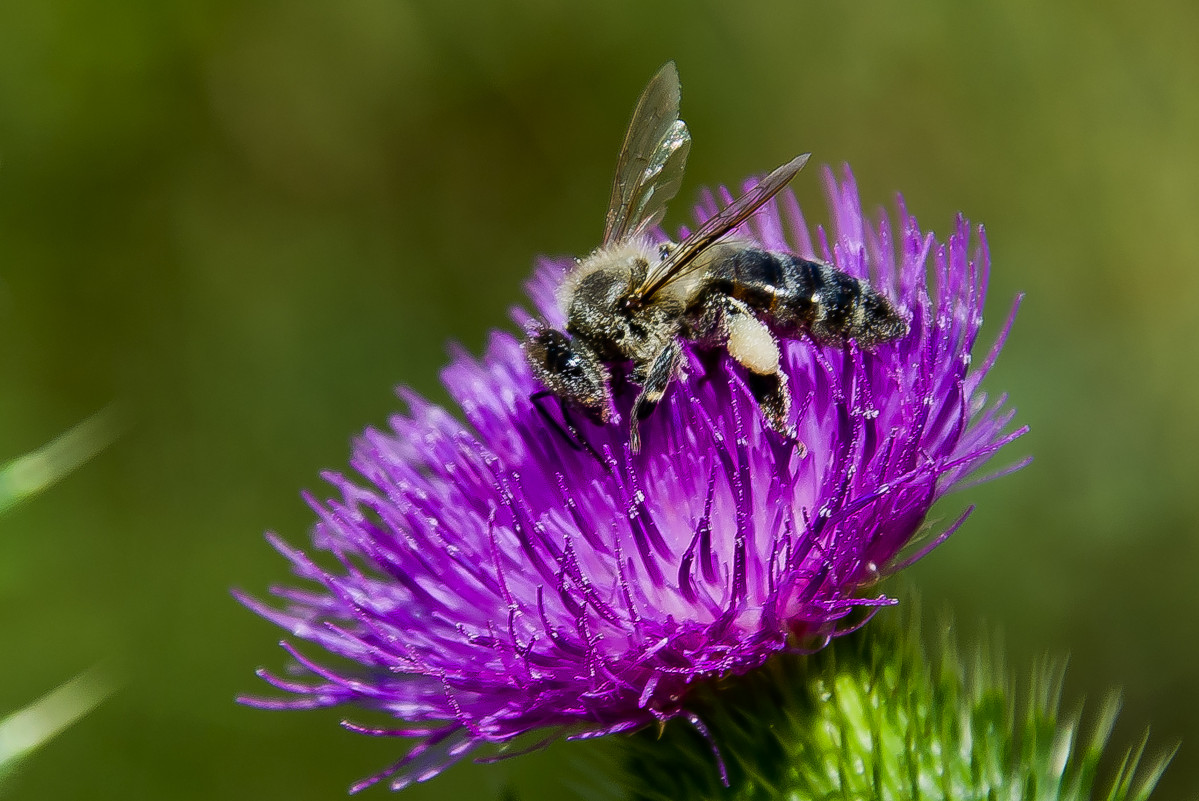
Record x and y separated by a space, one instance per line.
872 716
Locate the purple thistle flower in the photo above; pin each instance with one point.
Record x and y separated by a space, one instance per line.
499 578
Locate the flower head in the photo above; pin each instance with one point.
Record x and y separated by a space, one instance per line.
524 573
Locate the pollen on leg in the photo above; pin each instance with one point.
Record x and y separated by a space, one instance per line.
751 343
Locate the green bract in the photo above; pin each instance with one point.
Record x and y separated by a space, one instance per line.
874 717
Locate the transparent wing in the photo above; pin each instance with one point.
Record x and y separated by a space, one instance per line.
650 168
683 259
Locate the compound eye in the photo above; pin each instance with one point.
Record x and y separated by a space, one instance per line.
569 366
557 354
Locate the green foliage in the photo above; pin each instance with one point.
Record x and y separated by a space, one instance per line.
26 476
24 731
872 716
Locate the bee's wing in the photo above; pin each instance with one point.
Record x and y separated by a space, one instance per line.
650 168
683 258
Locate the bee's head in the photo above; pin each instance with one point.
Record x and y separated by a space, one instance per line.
569 369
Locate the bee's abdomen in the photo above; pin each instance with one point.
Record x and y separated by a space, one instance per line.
795 295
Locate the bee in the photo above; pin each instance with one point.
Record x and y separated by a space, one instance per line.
635 300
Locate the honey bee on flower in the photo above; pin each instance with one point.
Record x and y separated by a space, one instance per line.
489 577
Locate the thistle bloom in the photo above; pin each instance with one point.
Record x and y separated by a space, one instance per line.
519 573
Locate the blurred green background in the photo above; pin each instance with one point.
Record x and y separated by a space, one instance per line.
243 223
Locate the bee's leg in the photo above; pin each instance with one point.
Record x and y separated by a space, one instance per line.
572 439
571 434
657 379
750 342
770 391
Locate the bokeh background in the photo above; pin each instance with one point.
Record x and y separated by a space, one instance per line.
239 224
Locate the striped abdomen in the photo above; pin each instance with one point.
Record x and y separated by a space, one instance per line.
794 295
